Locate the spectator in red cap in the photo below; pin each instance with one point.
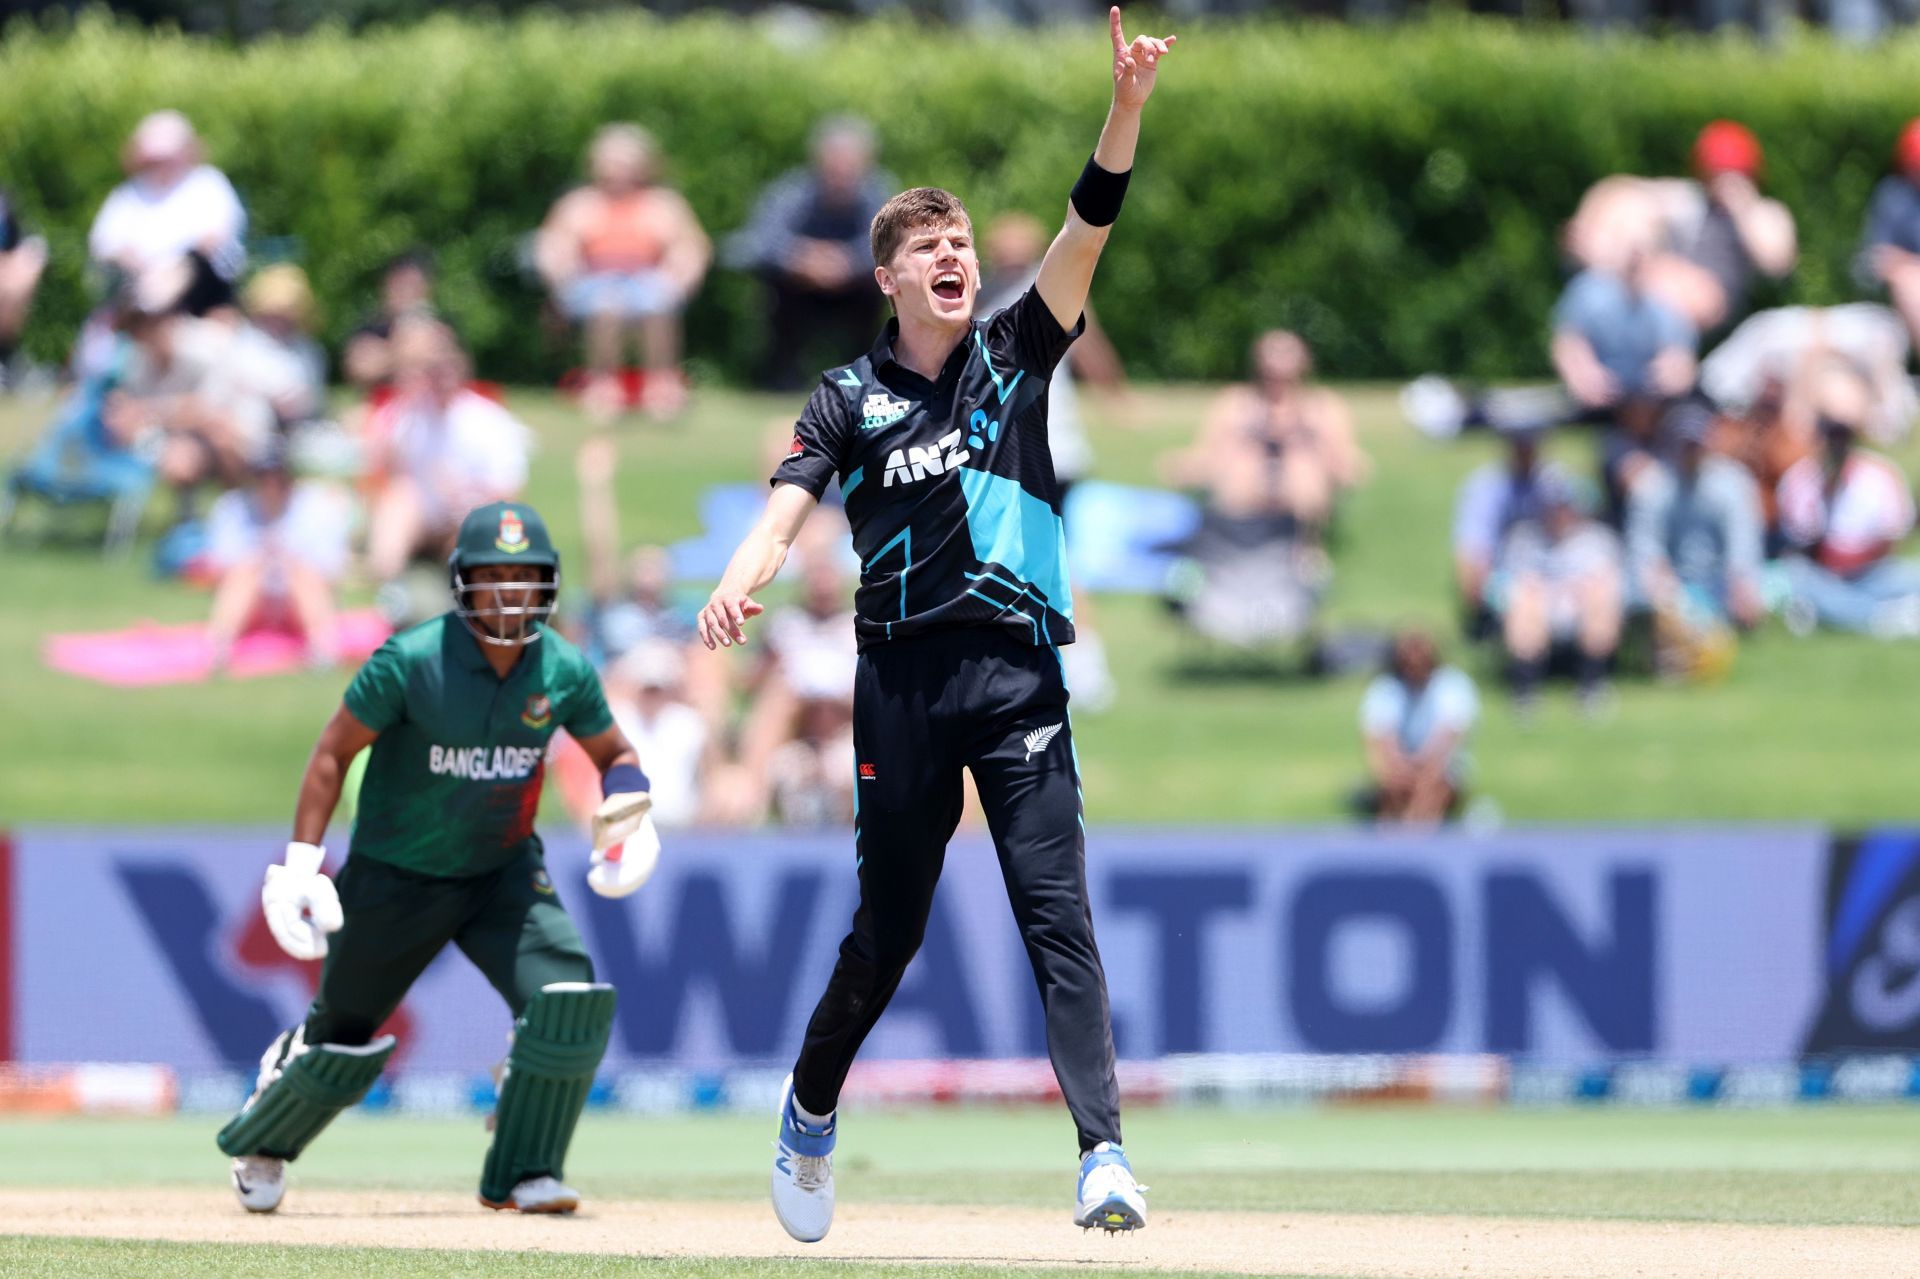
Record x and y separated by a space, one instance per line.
1726 146
1890 245
1705 240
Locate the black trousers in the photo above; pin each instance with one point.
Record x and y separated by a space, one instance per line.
923 709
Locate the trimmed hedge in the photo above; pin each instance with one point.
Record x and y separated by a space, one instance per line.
1395 194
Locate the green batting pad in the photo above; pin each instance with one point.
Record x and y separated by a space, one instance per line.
303 1098
557 1045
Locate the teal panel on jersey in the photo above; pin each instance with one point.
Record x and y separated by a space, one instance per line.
1013 528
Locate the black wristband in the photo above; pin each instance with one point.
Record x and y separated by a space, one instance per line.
1097 196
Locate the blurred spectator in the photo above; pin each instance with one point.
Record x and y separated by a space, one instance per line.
1636 446
279 302
637 609
1695 540
1703 242
622 255
1843 511
22 258
1414 721
208 391
81 460
809 239
1495 498
1561 588
645 693
440 449
799 734
630 603
1890 245
1248 583
279 548
1613 341
1756 368
1015 244
1278 446
1620 352
172 206
1270 458
406 292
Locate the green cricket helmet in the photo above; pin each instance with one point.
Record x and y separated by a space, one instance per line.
504 533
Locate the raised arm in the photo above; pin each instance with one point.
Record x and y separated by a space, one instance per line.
754 564
1066 273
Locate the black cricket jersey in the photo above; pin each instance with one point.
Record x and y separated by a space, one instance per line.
948 485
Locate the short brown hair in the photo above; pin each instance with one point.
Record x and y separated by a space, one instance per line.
910 210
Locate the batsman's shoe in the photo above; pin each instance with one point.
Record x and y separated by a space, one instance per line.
802 1173
537 1194
1110 1198
260 1181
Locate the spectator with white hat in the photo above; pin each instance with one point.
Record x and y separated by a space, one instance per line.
173 206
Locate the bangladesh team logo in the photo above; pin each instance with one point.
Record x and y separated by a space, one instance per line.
539 712
513 533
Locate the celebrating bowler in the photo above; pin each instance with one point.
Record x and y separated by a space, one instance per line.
938 439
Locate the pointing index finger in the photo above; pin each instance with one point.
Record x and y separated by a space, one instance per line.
1113 21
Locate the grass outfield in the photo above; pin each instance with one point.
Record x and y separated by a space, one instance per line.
1806 1166
1820 1177
113 1259
1801 730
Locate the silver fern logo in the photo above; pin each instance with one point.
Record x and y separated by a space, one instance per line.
1037 740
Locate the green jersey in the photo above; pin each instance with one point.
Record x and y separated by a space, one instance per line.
454 778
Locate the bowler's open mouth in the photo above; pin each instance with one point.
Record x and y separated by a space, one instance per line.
949 286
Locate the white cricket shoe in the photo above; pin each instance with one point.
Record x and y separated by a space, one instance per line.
538 1194
260 1181
802 1173
1109 1196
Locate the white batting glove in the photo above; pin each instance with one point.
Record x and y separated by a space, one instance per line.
300 904
626 847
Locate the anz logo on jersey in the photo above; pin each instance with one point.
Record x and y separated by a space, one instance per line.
915 463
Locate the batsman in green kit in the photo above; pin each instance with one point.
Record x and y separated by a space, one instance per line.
458 712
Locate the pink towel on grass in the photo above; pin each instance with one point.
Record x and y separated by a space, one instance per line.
152 654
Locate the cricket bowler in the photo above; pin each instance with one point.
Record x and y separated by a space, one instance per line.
938 436
458 711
